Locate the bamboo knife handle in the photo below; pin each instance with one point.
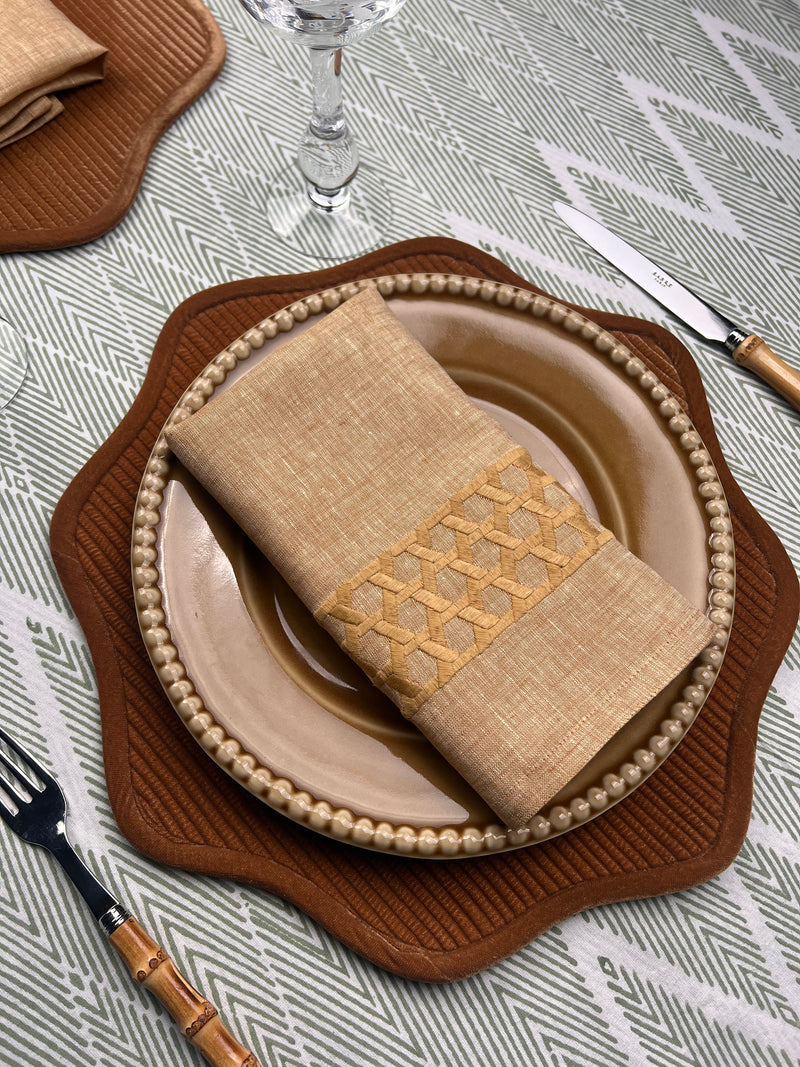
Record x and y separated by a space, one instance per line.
758 357
199 1021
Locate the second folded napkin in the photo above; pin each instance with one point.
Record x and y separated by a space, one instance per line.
514 630
41 52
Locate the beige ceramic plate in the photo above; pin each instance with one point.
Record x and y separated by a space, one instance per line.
281 708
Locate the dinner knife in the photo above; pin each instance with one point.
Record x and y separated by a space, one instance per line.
747 349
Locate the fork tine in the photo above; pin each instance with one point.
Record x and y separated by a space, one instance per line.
28 762
12 783
13 778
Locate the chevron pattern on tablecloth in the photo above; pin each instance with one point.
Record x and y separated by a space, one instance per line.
678 124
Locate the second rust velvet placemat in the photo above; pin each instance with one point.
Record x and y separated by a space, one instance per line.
77 176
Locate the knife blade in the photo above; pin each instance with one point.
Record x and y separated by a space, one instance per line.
747 348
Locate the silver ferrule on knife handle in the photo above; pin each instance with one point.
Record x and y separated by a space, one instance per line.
735 338
113 918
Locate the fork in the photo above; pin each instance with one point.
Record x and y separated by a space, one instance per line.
33 806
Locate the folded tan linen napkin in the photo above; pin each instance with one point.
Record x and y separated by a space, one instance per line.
504 621
41 52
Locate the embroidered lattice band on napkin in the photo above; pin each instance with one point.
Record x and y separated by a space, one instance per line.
514 630
438 598
41 53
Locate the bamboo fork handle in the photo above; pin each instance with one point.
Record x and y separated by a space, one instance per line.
199 1021
758 357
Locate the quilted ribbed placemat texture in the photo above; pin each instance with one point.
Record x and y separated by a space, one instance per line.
426 920
77 176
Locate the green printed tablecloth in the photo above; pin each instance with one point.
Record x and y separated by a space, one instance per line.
678 124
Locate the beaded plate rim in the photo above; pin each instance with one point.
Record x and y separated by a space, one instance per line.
341 823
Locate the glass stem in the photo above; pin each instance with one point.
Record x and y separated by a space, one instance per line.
327 154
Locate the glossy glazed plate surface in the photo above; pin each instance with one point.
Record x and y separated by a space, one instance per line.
280 707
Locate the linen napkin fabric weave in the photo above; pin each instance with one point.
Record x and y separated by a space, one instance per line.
41 52
514 630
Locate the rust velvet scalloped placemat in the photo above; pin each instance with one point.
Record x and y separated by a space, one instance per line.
426 920
77 176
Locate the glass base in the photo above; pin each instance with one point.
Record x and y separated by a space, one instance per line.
356 226
13 362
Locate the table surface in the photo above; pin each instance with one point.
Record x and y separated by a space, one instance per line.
679 125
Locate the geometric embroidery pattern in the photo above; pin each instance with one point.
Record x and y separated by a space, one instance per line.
436 599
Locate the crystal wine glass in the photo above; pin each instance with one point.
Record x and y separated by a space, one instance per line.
317 207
